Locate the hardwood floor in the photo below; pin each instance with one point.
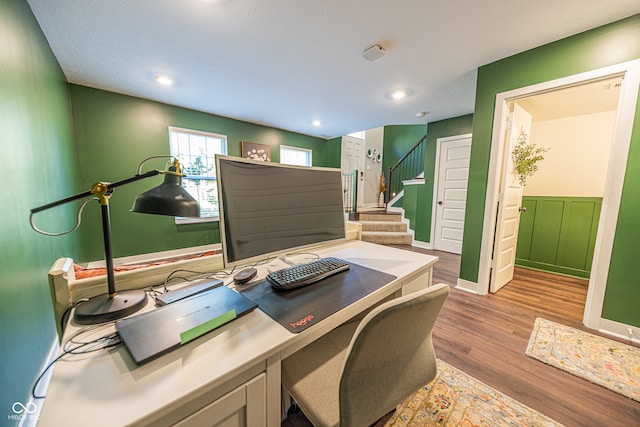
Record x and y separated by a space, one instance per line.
486 337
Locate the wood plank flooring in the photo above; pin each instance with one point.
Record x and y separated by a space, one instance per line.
486 337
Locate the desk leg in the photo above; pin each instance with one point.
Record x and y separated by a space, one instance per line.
274 412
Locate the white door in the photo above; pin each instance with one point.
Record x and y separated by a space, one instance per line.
353 159
451 195
509 203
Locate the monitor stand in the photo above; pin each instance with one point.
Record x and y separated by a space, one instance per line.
296 258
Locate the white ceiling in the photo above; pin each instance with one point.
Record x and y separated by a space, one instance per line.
588 98
285 63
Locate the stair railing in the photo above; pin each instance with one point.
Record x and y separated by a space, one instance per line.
408 167
350 191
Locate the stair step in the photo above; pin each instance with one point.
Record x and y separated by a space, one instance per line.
388 217
383 226
386 238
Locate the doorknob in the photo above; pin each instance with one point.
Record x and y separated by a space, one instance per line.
522 209
440 202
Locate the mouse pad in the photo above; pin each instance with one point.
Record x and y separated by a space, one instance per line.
301 308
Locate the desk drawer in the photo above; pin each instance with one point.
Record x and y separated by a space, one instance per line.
244 406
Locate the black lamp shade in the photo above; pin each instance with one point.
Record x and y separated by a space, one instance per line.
169 198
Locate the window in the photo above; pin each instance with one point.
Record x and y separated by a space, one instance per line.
359 135
196 152
295 156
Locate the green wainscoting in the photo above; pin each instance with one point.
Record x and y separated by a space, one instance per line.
558 234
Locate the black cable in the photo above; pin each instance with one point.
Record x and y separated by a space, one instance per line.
111 340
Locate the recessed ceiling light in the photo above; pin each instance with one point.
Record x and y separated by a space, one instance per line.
398 94
316 123
164 80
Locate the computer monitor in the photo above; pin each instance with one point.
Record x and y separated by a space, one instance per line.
269 209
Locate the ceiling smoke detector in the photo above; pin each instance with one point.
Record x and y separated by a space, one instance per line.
374 52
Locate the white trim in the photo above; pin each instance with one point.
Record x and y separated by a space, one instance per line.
421 244
405 221
32 419
620 330
192 220
308 151
198 132
613 187
413 182
394 200
436 178
467 286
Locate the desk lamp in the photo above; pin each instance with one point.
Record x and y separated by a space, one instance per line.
169 198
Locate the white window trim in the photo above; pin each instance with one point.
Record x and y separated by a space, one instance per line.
185 220
307 150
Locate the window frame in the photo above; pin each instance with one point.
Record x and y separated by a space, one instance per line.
225 148
308 151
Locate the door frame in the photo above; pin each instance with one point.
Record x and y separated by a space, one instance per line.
630 71
436 181
361 173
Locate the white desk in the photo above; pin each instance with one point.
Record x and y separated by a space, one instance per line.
229 375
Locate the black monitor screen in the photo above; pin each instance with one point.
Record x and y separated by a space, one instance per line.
270 209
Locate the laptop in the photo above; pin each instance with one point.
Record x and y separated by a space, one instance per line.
152 334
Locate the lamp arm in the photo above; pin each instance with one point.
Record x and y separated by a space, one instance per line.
134 178
91 192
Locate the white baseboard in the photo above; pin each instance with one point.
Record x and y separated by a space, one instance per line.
465 285
620 330
31 419
423 245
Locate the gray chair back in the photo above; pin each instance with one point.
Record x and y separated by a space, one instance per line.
391 355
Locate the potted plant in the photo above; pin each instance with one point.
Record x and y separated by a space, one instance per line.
526 157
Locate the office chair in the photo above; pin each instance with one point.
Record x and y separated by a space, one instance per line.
359 372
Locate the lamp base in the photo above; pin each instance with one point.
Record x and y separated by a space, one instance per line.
104 308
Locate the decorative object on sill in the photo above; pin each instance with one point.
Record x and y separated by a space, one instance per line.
254 151
526 157
169 198
611 364
383 185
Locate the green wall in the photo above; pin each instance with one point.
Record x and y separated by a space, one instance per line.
611 44
398 140
115 132
441 129
558 234
38 158
334 152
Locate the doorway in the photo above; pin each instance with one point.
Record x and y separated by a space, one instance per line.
353 160
560 204
630 74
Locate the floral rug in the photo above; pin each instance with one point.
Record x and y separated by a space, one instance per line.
600 360
454 398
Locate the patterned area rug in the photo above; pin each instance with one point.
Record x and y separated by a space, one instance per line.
454 398
600 360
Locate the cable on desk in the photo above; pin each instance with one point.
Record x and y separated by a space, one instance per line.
219 274
107 341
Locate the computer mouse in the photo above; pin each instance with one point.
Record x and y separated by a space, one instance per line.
243 276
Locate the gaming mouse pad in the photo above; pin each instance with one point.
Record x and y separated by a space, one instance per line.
301 308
